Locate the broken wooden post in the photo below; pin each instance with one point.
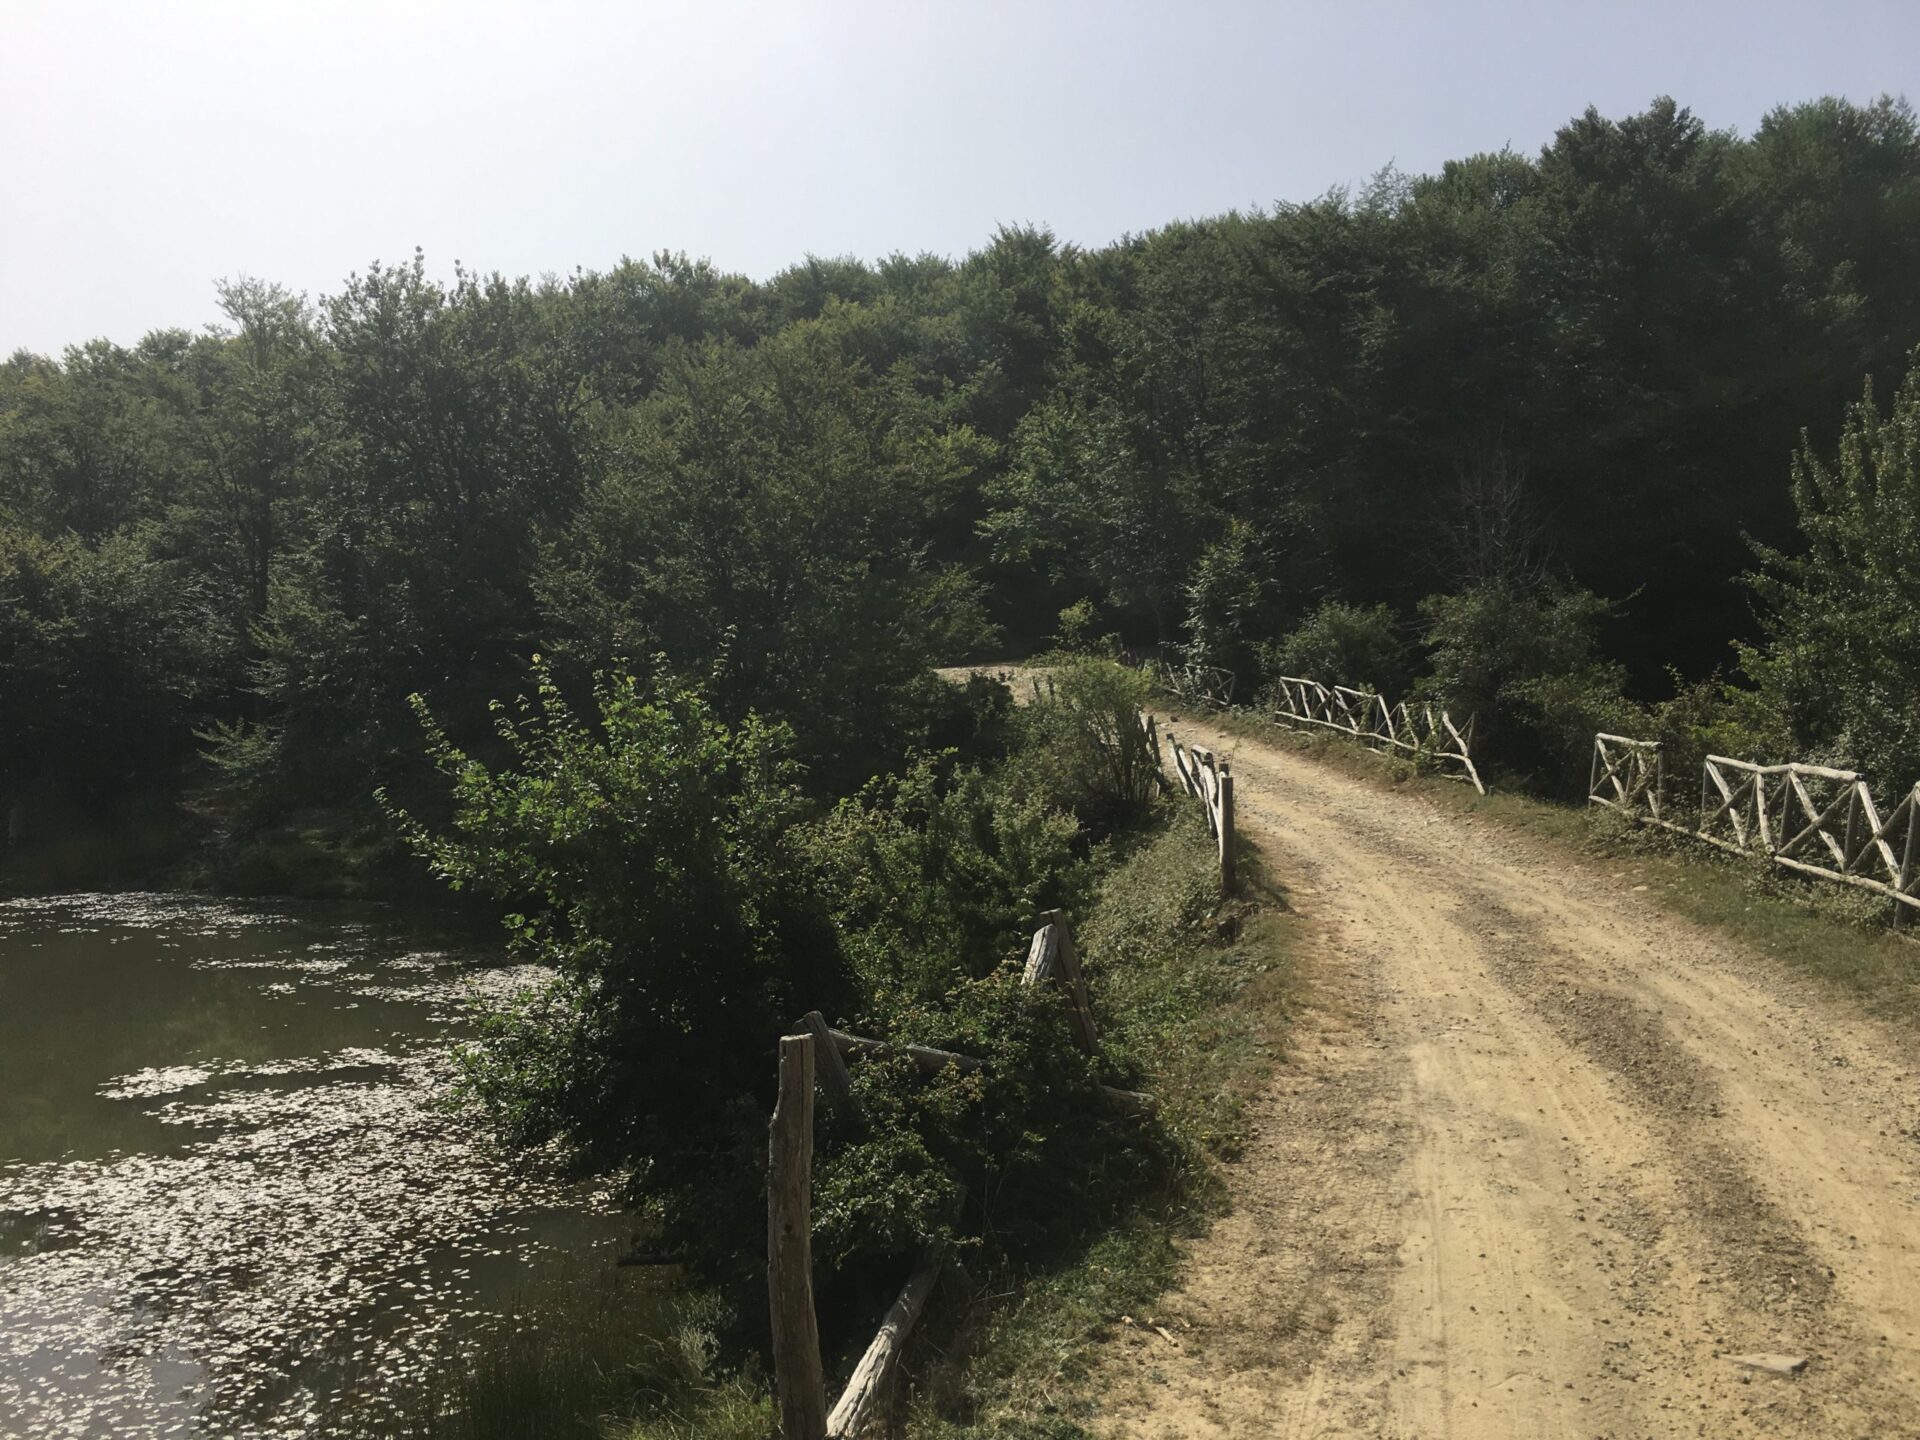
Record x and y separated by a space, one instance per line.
830 1066
1053 957
1227 838
876 1367
798 1383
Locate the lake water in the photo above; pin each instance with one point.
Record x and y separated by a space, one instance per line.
232 1201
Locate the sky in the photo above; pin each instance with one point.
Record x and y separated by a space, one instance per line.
150 147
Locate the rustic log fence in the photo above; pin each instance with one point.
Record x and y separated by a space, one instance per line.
1811 819
816 1056
1196 684
1210 781
1418 729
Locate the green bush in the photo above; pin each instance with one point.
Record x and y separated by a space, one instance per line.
1227 602
1084 747
1341 644
1525 663
934 873
648 853
1839 671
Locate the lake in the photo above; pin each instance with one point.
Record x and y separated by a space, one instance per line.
232 1199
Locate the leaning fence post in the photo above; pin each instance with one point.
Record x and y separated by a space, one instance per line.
1900 916
830 1065
1227 838
1051 957
798 1381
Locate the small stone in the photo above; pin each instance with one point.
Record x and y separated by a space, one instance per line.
1771 1362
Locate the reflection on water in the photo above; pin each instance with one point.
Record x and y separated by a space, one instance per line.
231 1202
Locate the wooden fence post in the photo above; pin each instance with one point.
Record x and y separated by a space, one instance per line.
1051 956
1227 839
876 1367
830 1066
798 1381
1905 875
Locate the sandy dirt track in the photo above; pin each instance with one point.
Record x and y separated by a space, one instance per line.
1542 1157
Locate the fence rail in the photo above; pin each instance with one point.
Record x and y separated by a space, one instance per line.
1210 781
1812 819
1207 684
1369 716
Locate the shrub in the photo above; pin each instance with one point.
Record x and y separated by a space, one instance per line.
1227 597
1341 644
1084 747
1840 668
649 858
1525 663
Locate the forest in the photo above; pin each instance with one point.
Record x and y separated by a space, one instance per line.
1543 434
616 599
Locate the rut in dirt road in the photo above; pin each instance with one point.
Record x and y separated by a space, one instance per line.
1544 1156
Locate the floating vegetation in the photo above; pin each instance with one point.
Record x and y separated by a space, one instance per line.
324 1231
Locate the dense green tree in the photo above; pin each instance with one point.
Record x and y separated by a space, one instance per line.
1840 661
763 516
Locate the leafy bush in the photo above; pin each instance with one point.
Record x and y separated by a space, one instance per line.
934 873
1839 671
1341 644
1084 747
648 852
1227 599
1525 664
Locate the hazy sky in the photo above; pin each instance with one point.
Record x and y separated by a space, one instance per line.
150 146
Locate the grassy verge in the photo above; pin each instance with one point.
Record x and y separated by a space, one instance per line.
1833 934
1197 993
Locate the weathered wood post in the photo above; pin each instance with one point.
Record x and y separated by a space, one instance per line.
798 1382
875 1370
1227 840
830 1066
1052 956
1901 881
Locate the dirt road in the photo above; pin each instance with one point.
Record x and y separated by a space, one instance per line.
1543 1156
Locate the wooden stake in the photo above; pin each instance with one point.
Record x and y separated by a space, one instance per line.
1227 838
876 1367
800 1387
830 1066
1052 957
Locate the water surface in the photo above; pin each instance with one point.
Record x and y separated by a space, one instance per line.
232 1199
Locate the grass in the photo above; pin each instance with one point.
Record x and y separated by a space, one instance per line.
1833 934
1197 995
587 1353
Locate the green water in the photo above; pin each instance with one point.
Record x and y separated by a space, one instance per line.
232 1201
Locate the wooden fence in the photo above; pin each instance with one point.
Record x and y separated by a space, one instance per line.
1210 781
815 1057
1368 716
1197 684
1812 819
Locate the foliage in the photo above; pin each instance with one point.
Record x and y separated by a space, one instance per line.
1085 748
1591 360
1526 666
1227 600
933 872
647 854
1840 662
1341 644
770 507
1078 626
